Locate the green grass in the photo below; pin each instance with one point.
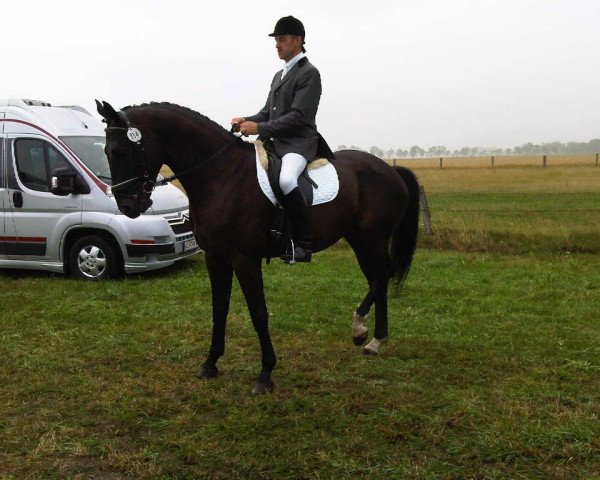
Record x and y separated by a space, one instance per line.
515 223
514 210
492 372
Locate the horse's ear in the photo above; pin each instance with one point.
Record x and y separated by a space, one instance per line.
106 110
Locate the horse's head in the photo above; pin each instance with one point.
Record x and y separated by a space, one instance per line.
133 159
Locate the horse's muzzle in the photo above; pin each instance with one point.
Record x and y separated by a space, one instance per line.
133 205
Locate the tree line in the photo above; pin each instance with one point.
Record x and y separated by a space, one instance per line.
552 148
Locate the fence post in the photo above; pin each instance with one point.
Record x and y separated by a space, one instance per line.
492 160
596 159
394 162
424 207
544 162
441 162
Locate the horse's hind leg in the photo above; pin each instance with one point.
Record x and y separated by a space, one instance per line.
249 274
360 331
372 256
380 286
221 274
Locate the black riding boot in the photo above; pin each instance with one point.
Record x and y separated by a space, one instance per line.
295 206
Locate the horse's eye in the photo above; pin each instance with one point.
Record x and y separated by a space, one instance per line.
116 152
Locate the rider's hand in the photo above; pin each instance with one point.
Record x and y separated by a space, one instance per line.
236 122
249 128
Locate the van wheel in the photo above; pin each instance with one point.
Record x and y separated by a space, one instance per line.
94 258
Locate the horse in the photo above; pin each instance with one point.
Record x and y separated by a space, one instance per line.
376 211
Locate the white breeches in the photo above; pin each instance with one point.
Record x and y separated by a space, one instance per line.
292 165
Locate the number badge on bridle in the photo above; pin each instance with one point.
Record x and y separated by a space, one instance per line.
134 134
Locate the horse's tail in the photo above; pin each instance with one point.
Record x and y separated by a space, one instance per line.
404 239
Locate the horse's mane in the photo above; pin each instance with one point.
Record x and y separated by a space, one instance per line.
189 113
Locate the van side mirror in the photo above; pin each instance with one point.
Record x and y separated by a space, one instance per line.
65 181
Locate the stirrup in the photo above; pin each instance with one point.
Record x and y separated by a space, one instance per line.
297 254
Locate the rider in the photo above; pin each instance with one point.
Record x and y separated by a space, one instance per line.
288 119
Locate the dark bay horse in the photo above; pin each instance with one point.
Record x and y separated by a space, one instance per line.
376 211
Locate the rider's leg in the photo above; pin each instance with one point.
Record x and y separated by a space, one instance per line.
292 165
295 205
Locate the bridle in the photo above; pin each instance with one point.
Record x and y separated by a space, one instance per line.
135 136
147 183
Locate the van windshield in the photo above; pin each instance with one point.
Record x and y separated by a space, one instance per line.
90 150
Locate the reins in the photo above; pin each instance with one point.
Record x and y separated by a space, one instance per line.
195 166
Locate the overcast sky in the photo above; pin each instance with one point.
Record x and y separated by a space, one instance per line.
395 73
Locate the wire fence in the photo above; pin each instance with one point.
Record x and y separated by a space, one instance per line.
499 161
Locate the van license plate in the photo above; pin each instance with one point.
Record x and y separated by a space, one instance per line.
190 245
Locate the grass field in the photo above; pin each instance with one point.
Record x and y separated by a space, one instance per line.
492 372
514 209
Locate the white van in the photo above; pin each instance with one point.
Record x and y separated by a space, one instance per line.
75 226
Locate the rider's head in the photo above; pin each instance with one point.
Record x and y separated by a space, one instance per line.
289 37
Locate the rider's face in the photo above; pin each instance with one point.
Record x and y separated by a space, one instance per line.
288 46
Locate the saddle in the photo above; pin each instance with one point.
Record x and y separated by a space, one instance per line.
268 165
280 233
319 173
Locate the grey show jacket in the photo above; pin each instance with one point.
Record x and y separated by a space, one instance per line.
288 117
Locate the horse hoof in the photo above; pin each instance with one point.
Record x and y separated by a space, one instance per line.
372 348
207 372
369 351
360 332
261 388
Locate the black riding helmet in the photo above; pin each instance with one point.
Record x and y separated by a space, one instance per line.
289 26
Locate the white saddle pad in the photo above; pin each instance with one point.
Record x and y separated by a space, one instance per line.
322 172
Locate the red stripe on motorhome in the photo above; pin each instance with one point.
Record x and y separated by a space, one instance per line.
24 239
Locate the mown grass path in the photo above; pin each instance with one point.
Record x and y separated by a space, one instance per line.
492 371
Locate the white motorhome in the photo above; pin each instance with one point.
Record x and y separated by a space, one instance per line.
75 226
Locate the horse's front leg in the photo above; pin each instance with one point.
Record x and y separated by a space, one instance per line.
220 272
249 274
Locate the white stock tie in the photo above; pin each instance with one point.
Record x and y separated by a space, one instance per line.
285 70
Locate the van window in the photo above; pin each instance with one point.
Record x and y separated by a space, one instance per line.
56 160
36 161
1 162
90 150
